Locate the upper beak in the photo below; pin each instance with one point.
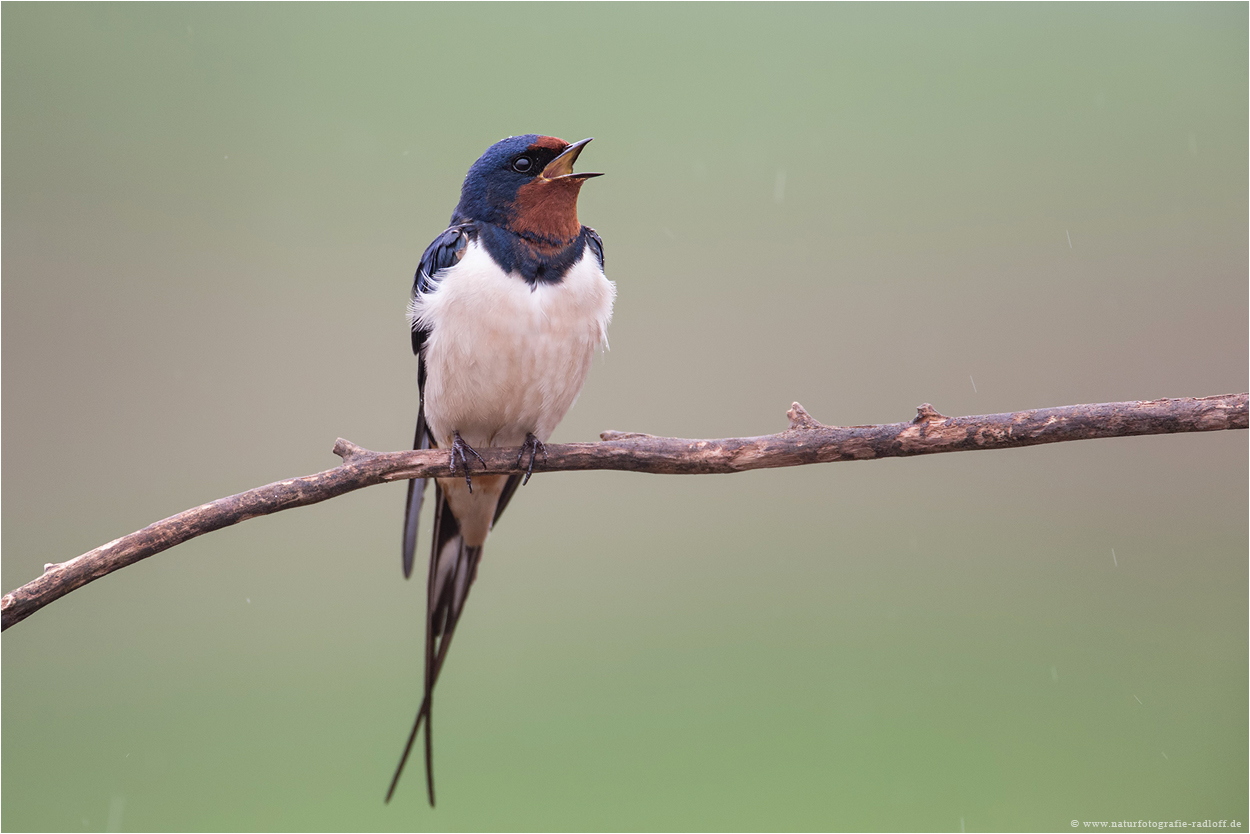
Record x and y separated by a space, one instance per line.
562 166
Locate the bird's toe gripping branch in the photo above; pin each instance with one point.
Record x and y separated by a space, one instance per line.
532 445
460 448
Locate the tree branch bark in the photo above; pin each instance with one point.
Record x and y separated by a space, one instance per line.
805 441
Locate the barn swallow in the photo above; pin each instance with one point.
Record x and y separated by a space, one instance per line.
509 305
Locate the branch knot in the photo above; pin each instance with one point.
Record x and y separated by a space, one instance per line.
350 452
926 412
800 419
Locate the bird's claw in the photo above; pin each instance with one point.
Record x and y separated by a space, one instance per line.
532 445
459 447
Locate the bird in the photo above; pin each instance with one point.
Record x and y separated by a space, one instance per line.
509 305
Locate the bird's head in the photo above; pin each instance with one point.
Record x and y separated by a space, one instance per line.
526 184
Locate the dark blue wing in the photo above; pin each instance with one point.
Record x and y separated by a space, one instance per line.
446 251
596 244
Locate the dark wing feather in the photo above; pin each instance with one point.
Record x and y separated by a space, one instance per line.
596 244
446 251
509 488
416 494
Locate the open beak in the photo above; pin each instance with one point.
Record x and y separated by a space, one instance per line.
562 166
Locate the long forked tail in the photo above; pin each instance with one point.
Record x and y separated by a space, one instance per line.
453 566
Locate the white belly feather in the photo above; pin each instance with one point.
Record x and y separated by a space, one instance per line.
504 360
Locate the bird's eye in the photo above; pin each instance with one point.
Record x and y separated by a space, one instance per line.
522 164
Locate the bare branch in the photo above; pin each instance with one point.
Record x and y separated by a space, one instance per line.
805 441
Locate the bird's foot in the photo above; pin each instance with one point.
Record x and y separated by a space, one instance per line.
459 448
532 445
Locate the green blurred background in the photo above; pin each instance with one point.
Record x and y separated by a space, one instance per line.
211 216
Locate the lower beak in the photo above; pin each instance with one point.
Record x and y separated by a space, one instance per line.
562 166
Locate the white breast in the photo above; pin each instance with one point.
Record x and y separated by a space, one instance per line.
504 359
